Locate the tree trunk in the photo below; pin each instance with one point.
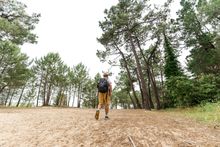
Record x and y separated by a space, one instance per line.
79 97
155 89
147 67
2 88
116 106
38 94
162 82
51 93
139 68
28 104
129 77
44 93
22 91
149 89
132 100
70 93
139 83
48 95
6 100
129 107
65 96
11 97
74 95
95 103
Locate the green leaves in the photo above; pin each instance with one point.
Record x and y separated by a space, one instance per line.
172 67
13 65
51 68
198 34
15 24
15 29
210 11
182 91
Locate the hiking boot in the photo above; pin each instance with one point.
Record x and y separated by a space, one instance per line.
97 115
106 117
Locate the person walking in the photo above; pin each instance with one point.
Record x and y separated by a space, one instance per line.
104 95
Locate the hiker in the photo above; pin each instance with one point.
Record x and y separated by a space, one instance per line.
104 93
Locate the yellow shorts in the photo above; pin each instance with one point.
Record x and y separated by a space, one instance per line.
104 98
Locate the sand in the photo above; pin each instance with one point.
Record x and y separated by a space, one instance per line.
71 127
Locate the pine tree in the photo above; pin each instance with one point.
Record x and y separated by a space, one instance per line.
172 67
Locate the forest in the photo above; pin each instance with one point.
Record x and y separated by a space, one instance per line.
143 40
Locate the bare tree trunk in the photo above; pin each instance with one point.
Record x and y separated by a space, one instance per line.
38 94
2 88
155 89
11 97
162 86
129 77
139 83
65 99
147 67
95 99
9 92
48 95
59 98
132 100
22 91
162 82
44 93
129 106
139 68
74 95
116 106
28 104
79 96
149 89
70 93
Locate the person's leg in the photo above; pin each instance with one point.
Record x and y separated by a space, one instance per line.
100 97
99 106
107 104
101 100
106 109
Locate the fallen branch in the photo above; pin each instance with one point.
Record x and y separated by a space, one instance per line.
132 142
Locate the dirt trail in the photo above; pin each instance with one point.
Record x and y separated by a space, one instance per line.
49 127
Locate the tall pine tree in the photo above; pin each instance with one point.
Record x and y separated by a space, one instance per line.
172 67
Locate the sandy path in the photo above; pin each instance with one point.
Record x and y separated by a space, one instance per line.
49 127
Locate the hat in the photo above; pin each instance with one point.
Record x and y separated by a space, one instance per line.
105 73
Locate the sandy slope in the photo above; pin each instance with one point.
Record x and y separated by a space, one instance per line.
77 127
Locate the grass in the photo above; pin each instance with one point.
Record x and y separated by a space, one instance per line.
207 113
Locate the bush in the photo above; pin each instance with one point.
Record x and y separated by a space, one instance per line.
183 91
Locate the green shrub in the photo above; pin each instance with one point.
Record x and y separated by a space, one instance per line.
183 91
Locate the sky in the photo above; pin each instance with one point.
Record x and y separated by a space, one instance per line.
70 28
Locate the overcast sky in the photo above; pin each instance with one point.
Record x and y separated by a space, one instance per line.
70 27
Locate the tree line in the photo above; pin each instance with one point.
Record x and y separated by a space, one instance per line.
142 39
145 43
37 82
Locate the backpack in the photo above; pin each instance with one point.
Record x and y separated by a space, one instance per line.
103 85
